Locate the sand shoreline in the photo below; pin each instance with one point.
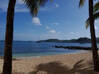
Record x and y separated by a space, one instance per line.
23 57
53 64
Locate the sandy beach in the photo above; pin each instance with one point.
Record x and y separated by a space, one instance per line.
79 63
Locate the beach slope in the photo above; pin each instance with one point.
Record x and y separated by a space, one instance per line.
79 63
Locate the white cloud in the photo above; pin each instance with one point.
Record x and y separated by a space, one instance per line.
55 23
96 24
21 7
49 8
96 21
56 5
47 27
45 9
96 27
21 10
74 33
36 21
52 31
20 1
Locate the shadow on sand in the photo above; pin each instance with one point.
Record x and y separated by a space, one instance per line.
58 68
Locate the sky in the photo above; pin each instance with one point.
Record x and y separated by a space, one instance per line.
60 19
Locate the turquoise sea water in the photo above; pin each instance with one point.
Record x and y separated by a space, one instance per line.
27 49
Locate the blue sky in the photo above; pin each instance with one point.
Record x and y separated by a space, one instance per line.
61 19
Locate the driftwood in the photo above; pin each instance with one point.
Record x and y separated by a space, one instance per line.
74 47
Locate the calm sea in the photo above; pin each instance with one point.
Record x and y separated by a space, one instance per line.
27 49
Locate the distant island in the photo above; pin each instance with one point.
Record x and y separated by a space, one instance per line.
79 40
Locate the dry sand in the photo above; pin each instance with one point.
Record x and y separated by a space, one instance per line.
79 63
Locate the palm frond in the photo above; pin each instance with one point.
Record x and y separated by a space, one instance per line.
96 7
87 23
81 3
96 16
34 5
